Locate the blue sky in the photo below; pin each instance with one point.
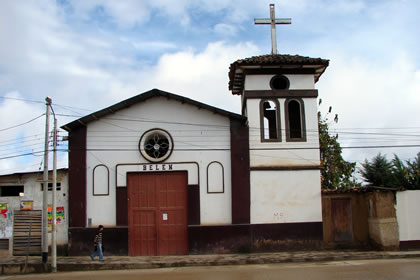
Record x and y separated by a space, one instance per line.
88 54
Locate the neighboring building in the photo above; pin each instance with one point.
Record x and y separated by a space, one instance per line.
21 199
371 217
169 175
407 209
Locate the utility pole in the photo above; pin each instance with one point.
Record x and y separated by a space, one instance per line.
54 206
45 189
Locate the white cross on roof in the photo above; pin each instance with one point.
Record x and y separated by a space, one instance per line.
273 21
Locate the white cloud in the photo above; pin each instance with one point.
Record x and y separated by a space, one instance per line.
202 75
225 29
373 80
371 98
21 139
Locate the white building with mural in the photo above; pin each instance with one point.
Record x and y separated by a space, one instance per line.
169 175
21 199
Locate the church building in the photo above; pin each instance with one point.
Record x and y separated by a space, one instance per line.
168 175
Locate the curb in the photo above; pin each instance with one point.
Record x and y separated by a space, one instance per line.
19 268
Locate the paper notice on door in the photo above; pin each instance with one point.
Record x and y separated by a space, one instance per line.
165 216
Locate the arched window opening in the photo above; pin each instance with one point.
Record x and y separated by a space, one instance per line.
270 120
295 120
295 123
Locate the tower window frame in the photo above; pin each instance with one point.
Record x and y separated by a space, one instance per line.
291 123
274 134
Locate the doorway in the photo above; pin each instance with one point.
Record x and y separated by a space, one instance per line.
157 213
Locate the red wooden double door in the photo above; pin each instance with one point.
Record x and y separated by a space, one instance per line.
157 213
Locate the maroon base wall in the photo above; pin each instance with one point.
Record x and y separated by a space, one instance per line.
212 239
115 241
410 245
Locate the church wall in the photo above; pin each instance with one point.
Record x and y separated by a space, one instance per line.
264 154
262 82
112 141
285 196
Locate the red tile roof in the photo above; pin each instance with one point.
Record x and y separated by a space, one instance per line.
279 61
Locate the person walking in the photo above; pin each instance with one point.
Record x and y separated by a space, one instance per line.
98 245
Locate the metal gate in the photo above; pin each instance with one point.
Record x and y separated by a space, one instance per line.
27 227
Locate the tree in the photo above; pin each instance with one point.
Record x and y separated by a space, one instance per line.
414 173
378 172
335 171
392 174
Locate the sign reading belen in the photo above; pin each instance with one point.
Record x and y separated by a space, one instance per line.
156 167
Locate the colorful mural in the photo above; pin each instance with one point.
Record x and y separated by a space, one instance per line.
6 221
59 216
3 209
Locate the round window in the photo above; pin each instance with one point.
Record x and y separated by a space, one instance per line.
156 145
279 82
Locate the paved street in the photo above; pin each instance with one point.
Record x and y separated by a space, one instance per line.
402 269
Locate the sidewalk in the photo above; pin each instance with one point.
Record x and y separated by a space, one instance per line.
16 265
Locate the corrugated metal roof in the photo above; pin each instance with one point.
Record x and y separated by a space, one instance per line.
142 97
280 61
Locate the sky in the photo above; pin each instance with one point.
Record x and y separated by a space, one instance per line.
90 54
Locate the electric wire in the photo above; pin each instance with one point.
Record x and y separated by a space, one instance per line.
7 128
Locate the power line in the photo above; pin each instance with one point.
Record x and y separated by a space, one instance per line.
22 99
7 128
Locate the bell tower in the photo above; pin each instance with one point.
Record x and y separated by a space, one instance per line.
279 99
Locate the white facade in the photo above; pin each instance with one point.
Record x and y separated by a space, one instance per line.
293 194
31 183
407 210
200 138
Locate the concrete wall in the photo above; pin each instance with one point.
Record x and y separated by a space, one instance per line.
285 196
359 221
32 192
200 137
408 209
383 227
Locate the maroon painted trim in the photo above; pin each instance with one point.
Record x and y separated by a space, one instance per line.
241 191
247 238
93 181
121 205
288 231
115 241
193 193
209 239
223 177
77 177
281 93
410 245
285 168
